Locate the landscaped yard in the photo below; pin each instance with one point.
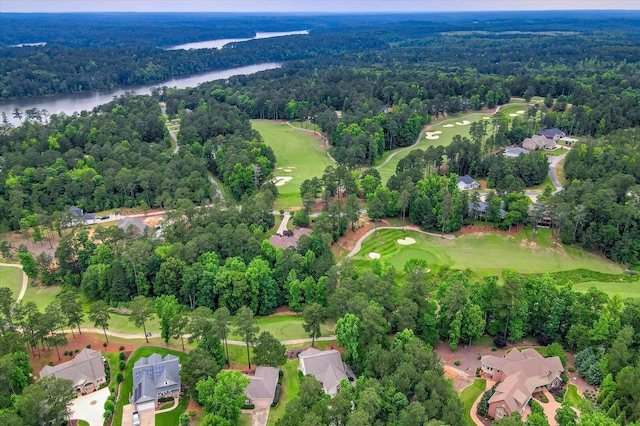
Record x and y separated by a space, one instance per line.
245 419
482 253
572 396
170 418
299 154
290 388
468 397
11 277
127 383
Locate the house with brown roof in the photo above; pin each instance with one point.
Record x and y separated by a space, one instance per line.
521 375
262 388
85 370
326 366
539 142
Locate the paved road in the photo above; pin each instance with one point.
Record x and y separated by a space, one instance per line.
25 281
163 110
553 162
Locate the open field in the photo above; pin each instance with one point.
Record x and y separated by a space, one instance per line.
483 254
299 156
623 289
290 388
468 397
285 327
11 277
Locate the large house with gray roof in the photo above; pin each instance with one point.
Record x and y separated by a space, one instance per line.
262 389
85 370
326 366
155 377
521 375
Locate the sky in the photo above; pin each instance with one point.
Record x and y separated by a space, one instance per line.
332 6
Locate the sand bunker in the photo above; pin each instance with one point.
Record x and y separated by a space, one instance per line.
279 168
463 122
288 170
374 255
486 118
406 241
448 125
513 115
281 180
437 132
432 135
520 111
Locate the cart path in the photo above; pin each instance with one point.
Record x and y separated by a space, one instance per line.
25 281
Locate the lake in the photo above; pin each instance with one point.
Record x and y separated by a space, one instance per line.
71 103
220 43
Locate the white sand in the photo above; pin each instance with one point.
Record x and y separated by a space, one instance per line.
374 255
513 115
431 136
520 111
281 180
291 167
486 118
437 132
279 168
463 122
407 241
288 170
448 125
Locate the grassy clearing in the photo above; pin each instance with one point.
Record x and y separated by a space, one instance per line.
290 388
572 397
121 324
482 254
170 418
41 296
297 151
468 397
127 383
285 327
624 289
306 125
11 277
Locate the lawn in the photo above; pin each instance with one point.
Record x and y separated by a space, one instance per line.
468 397
127 383
297 151
11 277
170 418
623 289
572 397
307 125
482 254
121 324
42 296
290 388
245 419
285 327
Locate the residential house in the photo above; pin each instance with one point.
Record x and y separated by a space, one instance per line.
290 239
539 142
554 134
521 375
155 377
262 389
133 224
326 366
467 183
81 215
479 210
85 370
515 152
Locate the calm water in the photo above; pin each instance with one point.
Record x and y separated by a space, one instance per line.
219 44
88 100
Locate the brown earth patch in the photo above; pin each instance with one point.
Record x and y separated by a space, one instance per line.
486 229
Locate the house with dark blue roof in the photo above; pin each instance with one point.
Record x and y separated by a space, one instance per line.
155 377
554 133
467 183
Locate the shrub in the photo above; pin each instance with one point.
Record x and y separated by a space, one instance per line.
300 218
89 346
76 351
276 396
493 349
457 362
107 414
300 374
544 399
67 352
121 348
184 419
483 405
122 356
111 398
165 399
50 363
571 370
248 407
109 405
104 345
479 357
122 365
500 341
119 377
192 413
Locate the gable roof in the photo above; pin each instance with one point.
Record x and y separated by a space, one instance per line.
550 133
466 179
85 367
326 366
263 383
525 371
137 224
515 152
153 373
76 211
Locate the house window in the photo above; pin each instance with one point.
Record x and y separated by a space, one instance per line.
150 371
159 369
137 374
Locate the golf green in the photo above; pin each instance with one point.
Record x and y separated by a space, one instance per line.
299 154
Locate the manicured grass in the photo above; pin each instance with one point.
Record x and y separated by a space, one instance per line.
623 289
290 388
114 362
297 151
307 125
468 397
482 254
513 108
83 423
121 324
127 383
41 296
572 397
11 277
285 327
170 418
245 419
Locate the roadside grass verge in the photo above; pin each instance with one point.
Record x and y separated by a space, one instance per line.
468 397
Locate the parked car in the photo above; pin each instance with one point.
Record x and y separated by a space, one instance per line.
136 419
104 217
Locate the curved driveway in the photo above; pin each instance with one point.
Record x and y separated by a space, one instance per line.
25 281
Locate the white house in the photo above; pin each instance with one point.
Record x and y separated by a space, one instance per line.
466 183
